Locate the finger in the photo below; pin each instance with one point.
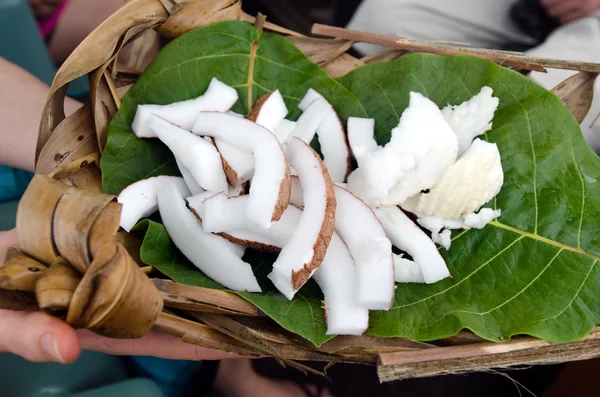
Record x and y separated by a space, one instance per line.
573 16
562 8
549 3
155 344
38 337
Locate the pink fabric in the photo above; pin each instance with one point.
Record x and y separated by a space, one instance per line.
47 25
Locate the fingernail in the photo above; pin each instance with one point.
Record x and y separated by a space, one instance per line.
50 346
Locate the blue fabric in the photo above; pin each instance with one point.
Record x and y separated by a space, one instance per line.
172 376
13 183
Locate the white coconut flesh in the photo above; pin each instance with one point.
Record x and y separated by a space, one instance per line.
472 181
370 247
361 137
218 97
332 139
241 162
472 118
408 237
139 198
310 119
199 156
269 191
189 178
217 214
270 111
359 228
284 129
304 253
212 254
407 271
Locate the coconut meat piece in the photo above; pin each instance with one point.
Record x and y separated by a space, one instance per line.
332 139
139 198
217 211
371 250
305 251
269 111
407 271
212 254
361 137
472 118
284 129
408 237
189 179
308 122
219 97
270 189
472 181
200 157
240 162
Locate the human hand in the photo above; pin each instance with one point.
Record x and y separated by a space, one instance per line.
35 336
571 10
39 337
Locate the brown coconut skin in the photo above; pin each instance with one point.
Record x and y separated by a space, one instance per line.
327 227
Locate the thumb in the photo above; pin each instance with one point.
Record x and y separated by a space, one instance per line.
38 337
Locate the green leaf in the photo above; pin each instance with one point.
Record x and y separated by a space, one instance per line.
303 315
533 271
183 70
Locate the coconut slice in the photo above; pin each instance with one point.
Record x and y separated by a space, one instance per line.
472 118
309 121
284 129
303 255
332 139
475 179
370 247
218 97
359 228
407 271
189 178
216 217
361 137
269 111
212 254
238 164
270 189
196 154
139 198
407 236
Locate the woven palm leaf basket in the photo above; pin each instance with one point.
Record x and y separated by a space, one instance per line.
524 290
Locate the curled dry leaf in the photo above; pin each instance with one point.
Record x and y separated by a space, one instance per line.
577 93
190 14
74 166
86 178
74 216
115 298
35 218
56 287
73 138
342 65
20 272
96 49
105 228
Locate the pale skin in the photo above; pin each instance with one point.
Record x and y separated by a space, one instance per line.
571 10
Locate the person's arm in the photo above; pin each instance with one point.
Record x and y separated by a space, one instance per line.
571 10
22 100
